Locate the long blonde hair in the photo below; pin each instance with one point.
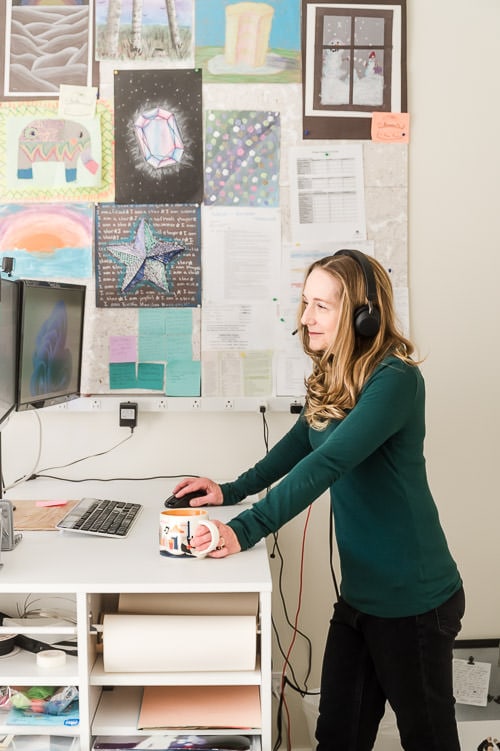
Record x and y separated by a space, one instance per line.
340 372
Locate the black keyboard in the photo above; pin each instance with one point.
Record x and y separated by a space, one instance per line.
103 517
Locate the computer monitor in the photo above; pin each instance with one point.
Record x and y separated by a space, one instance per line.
9 298
51 316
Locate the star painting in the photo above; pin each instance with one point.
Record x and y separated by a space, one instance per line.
148 256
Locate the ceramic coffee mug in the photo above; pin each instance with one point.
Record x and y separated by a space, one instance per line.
177 529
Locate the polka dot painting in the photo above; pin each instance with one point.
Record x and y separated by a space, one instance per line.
242 158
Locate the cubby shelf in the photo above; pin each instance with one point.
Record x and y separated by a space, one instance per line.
95 573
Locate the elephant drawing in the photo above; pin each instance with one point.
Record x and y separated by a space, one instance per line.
54 140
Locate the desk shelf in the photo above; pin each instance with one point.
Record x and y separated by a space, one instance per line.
39 631
118 714
95 573
98 677
45 730
21 669
38 742
50 742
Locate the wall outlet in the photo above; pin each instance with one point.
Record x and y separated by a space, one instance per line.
95 404
229 404
162 404
196 404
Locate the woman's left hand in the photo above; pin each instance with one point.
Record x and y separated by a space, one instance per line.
227 545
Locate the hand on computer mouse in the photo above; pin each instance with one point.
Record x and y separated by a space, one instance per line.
184 501
203 492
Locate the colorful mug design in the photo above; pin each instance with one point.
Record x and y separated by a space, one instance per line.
177 529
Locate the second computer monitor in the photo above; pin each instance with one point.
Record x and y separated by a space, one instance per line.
50 343
9 293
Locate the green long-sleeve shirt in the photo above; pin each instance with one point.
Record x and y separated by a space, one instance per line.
394 556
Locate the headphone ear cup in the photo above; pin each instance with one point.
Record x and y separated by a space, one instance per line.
366 321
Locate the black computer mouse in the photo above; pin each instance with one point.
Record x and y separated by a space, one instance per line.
174 502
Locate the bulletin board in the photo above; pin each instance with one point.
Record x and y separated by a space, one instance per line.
194 256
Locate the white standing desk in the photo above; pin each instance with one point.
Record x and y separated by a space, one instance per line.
92 572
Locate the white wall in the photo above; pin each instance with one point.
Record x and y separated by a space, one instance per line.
454 273
454 211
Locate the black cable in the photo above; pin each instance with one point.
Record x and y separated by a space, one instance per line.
285 611
34 475
90 456
279 724
279 717
286 681
113 479
298 689
330 546
282 651
265 428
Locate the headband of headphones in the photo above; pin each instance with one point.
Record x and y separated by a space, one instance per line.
366 317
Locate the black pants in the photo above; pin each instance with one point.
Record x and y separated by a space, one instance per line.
405 661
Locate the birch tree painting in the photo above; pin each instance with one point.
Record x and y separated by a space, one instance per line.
145 30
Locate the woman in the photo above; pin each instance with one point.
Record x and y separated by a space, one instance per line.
361 435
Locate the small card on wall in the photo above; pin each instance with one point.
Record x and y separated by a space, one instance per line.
390 127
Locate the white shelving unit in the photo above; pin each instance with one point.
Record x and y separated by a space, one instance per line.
93 573
20 669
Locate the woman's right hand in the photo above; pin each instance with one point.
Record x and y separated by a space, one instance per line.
213 491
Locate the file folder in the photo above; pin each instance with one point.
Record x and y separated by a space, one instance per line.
200 707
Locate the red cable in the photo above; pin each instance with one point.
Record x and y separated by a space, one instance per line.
297 612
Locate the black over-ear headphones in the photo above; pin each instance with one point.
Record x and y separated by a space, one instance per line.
366 317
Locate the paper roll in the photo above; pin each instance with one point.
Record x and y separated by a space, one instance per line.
182 603
51 658
166 643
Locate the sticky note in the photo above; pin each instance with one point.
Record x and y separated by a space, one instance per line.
391 127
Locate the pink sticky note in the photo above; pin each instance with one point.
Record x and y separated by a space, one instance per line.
391 127
122 348
51 503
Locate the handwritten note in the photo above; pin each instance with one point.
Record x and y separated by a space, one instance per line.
122 348
390 127
77 101
471 681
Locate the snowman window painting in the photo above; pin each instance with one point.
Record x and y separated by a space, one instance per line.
352 61
354 58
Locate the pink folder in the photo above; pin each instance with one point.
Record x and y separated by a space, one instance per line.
200 707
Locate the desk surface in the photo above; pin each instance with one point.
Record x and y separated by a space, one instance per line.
55 561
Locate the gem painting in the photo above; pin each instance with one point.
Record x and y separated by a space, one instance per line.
158 125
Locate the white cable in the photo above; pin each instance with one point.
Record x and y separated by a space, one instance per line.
33 471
